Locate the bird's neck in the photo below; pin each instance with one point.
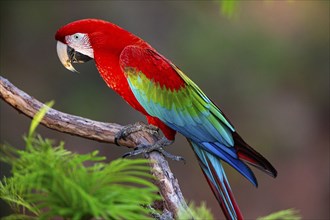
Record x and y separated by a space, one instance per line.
112 74
108 67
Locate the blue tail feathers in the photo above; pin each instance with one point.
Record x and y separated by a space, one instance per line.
229 155
216 177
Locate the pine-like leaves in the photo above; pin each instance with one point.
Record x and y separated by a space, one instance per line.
50 181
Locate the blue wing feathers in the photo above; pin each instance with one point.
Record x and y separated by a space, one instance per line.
227 156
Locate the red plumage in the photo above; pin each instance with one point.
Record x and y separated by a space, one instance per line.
147 60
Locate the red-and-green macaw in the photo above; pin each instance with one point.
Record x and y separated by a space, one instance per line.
154 86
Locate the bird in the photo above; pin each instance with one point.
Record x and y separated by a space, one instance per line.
171 102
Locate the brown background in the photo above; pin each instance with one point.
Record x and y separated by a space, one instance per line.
267 68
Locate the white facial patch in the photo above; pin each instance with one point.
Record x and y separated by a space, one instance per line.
80 43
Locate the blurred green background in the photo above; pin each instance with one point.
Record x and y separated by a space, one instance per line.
267 68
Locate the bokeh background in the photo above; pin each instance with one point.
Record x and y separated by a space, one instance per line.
267 67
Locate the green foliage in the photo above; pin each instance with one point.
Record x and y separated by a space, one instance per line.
228 7
38 117
198 212
48 181
289 214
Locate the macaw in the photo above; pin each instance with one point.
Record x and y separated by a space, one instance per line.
171 101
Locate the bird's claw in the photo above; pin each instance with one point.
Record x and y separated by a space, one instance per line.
132 128
171 156
158 146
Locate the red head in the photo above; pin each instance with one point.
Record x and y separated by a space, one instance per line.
81 40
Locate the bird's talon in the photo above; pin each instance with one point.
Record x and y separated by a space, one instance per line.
116 141
132 128
171 156
158 146
125 155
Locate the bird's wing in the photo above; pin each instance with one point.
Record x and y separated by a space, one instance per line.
167 93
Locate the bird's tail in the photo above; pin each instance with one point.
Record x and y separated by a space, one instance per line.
216 178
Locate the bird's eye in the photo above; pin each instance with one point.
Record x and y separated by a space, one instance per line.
76 36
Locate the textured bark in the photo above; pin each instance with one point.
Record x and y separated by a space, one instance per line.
103 132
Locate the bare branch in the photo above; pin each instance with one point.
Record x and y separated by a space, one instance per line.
99 131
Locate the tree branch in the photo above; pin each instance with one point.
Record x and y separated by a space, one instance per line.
103 132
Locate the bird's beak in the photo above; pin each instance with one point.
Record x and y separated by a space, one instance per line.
68 55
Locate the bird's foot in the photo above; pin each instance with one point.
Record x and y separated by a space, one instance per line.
132 128
158 146
142 148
